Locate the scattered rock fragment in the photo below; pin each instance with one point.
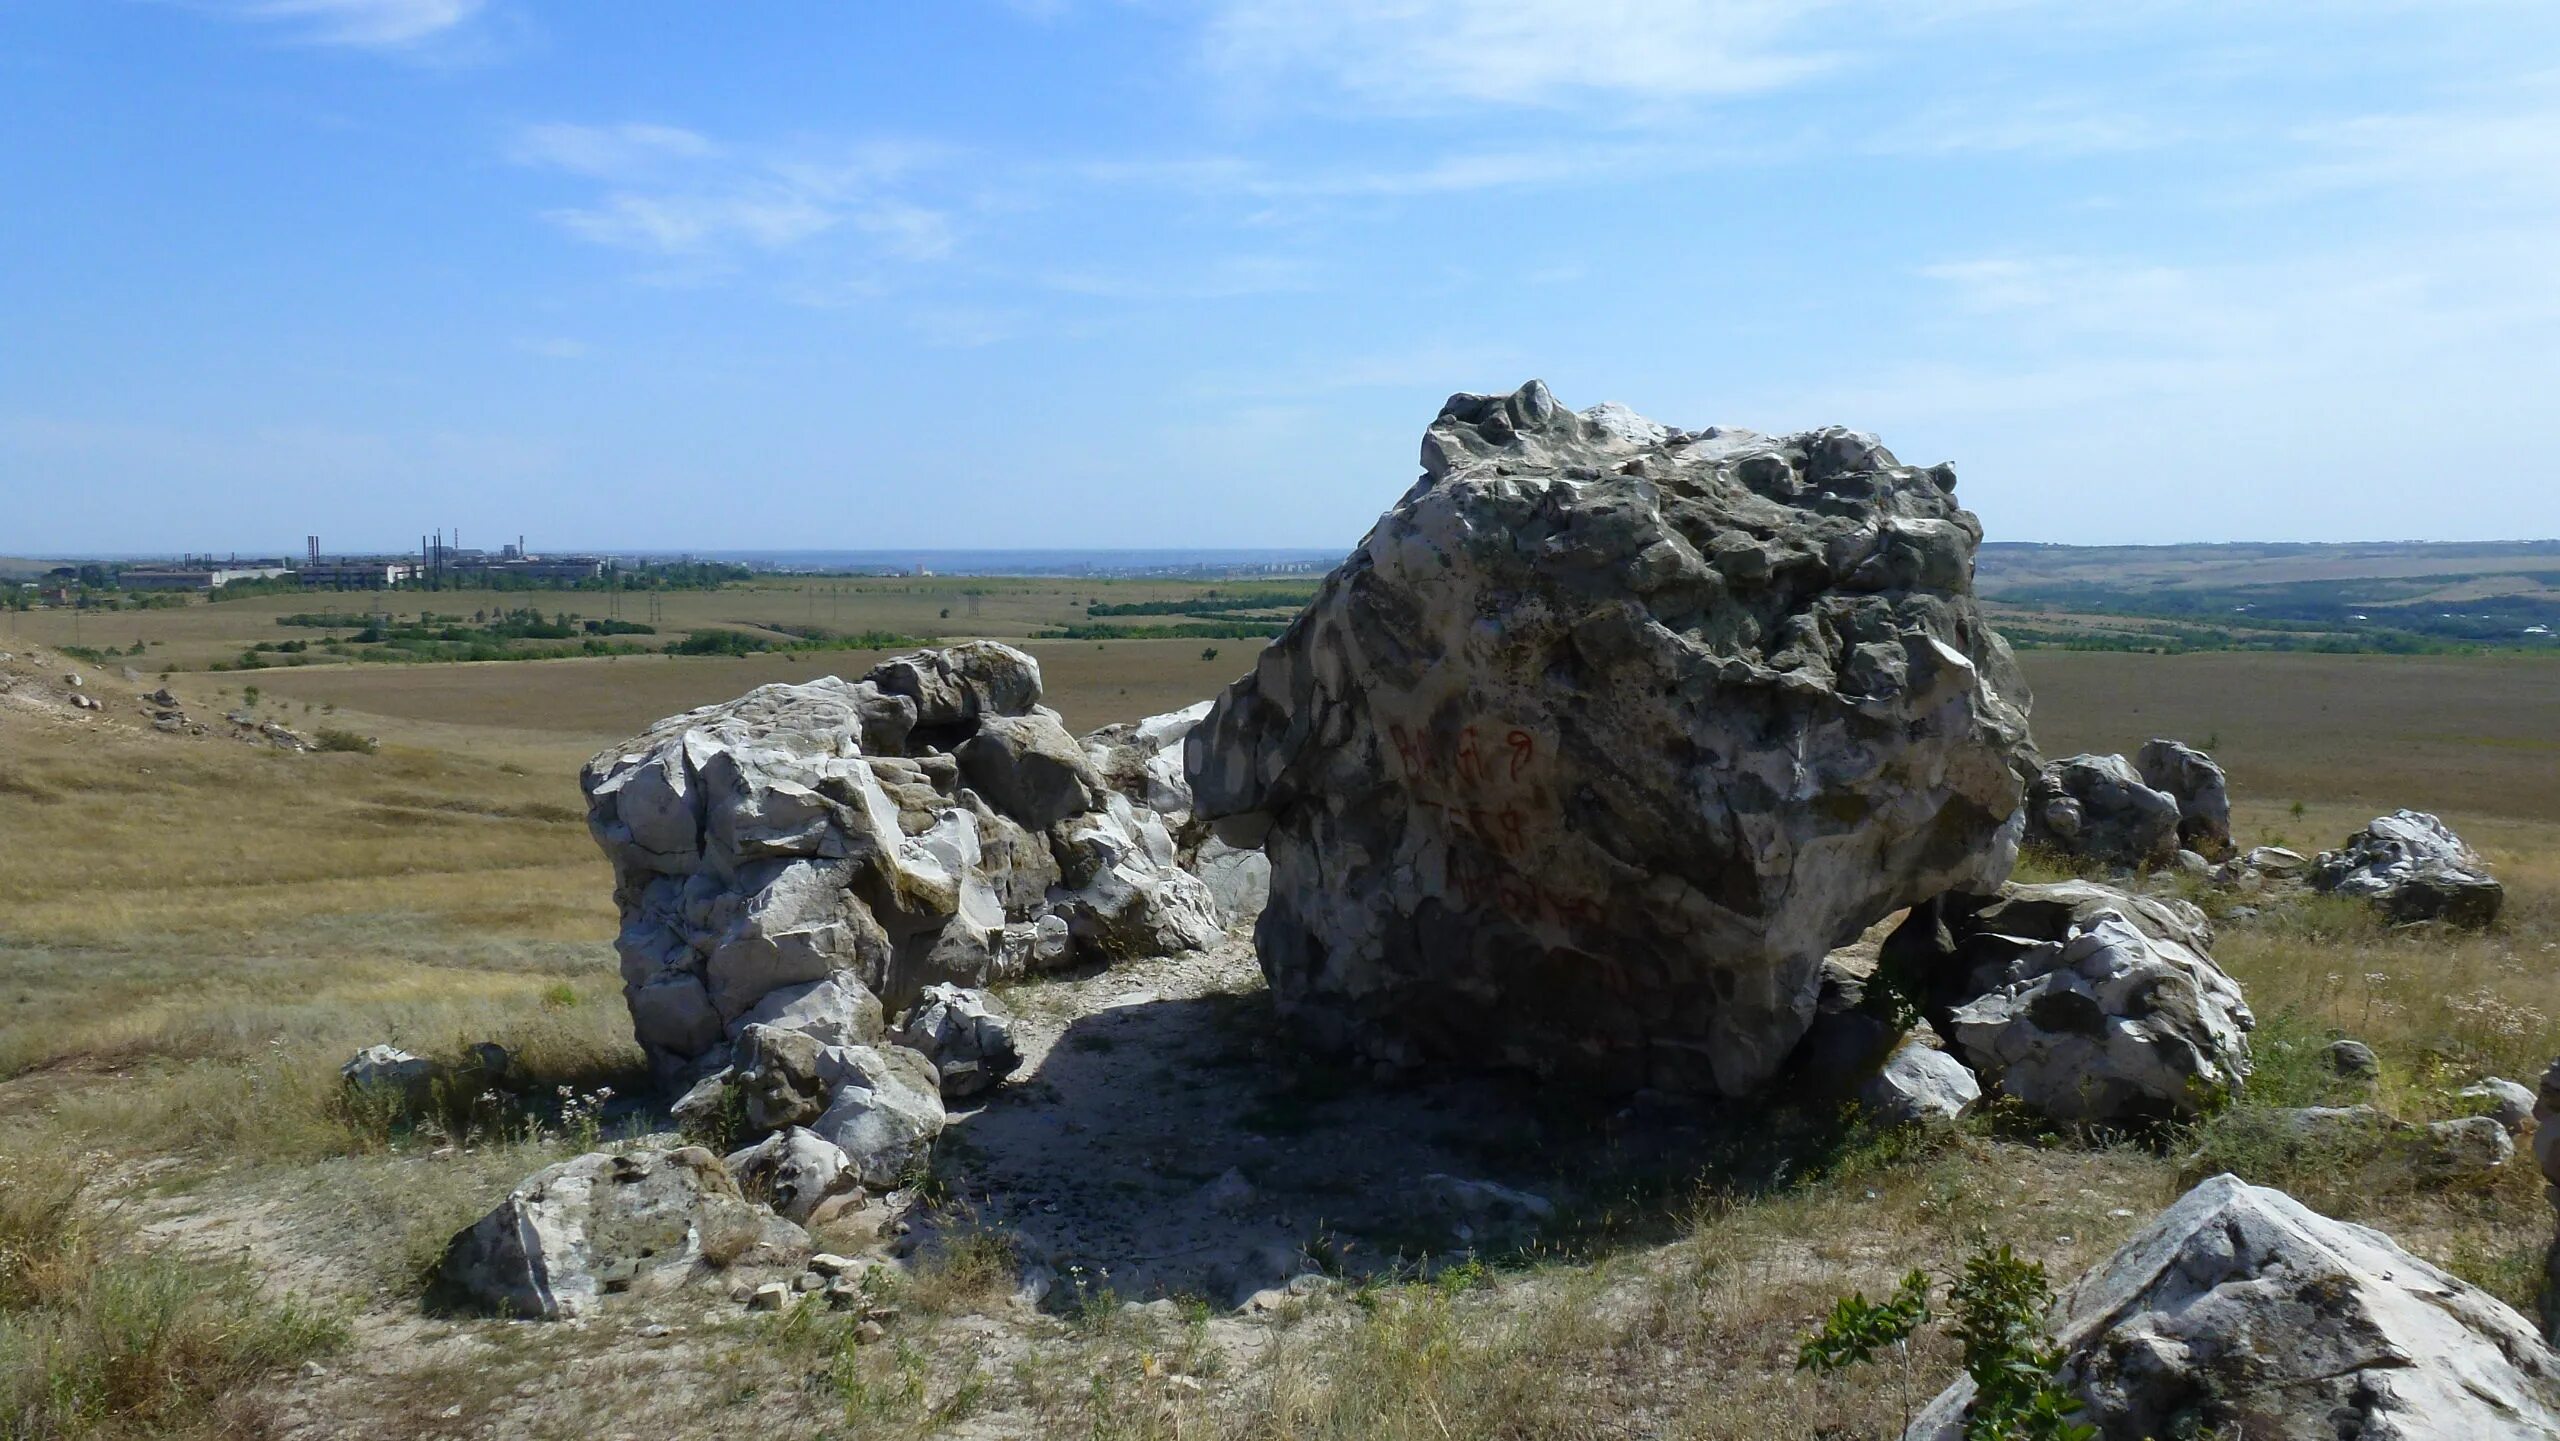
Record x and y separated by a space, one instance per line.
965 1034
2086 1002
387 1071
792 1170
2353 1059
2414 868
2507 1102
1918 1083
605 1222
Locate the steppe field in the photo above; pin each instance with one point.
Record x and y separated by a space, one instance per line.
200 1236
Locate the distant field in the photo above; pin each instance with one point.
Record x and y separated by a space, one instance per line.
2402 598
2468 734
201 634
1092 684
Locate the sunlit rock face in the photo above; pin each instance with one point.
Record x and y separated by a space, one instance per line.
836 846
1606 733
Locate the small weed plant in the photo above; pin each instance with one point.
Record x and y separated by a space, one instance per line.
1996 1311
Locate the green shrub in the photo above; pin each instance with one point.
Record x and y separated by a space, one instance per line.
1997 1308
331 738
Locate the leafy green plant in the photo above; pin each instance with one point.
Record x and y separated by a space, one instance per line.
1996 1309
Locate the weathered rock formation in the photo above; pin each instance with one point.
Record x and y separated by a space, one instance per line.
2098 806
2192 779
607 1222
2241 1312
2414 868
966 1035
1606 734
2080 1000
847 843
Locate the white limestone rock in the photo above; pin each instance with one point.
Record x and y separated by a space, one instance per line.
606 1222
2094 1005
965 1034
2241 1312
2098 807
792 1170
1918 1084
2414 868
1606 734
818 840
2203 794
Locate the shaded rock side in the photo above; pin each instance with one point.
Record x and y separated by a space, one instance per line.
2192 779
2099 807
1606 733
2242 1312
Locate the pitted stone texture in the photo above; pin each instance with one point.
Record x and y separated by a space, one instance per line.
1606 734
2242 1312
792 1170
2414 868
2192 779
606 1222
2098 806
2090 1004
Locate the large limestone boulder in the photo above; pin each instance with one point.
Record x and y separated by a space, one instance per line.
842 845
2192 779
607 1222
2241 1312
1606 733
2414 868
2099 807
2080 1000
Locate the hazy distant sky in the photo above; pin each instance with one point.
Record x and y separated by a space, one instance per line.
880 273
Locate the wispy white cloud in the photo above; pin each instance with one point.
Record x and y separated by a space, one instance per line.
1420 54
607 152
2491 155
677 194
694 225
2039 126
370 24
1225 278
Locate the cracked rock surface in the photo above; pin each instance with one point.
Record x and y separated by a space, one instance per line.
1606 733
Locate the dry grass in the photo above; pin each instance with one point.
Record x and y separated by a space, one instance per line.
200 931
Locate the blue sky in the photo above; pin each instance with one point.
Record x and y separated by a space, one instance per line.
1135 272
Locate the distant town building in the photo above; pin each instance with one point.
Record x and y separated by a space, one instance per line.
199 577
359 573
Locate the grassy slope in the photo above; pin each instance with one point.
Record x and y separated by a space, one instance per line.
199 931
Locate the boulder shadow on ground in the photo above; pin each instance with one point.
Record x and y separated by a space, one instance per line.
1158 1146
